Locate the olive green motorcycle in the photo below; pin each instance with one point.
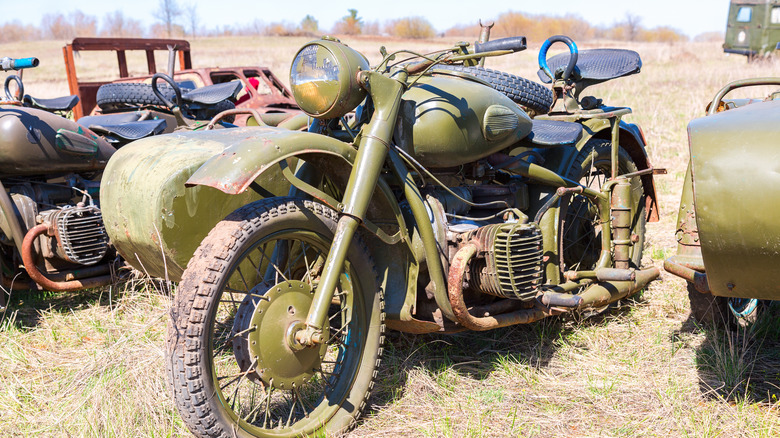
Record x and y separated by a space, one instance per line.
423 198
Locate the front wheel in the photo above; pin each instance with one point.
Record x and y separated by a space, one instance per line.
245 292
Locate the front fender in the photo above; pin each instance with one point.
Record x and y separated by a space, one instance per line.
237 166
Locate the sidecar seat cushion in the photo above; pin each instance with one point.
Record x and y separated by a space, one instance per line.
212 94
109 119
554 132
132 130
64 103
596 65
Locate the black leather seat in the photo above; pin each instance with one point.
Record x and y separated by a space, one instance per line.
65 103
554 133
596 65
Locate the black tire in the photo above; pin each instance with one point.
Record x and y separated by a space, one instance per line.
536 97
203 393
577 220
123 95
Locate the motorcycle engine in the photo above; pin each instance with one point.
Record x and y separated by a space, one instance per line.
79 233
508 262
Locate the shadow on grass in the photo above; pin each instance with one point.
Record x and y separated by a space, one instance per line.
27 305
742 364
476 355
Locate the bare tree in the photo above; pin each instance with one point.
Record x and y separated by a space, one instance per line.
116 24
193 20
167 13
350 24
633 26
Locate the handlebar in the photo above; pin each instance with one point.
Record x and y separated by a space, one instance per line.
18 64
515 44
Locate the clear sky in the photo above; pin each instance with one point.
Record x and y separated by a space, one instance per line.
692 17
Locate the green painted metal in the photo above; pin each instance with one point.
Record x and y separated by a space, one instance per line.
33 139
445 121
753 27
734 159
153 220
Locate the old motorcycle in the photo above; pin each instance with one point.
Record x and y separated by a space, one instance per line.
53 236
439 205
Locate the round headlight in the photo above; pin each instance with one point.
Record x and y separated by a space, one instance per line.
323 79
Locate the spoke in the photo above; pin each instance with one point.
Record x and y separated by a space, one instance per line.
292 409
293 263
303 403
267 407
238 269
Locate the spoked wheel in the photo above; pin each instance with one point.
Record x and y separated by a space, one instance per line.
580 242
233 363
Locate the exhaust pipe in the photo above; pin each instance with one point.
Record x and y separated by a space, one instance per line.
28 258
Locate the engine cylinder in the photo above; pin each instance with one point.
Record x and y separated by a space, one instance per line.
509 260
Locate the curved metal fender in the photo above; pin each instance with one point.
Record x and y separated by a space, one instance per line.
234 170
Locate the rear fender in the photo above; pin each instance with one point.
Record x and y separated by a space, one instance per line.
241 164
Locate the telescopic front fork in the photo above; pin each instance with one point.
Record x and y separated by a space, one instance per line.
372 152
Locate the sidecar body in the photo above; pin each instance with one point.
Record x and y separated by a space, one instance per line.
728 232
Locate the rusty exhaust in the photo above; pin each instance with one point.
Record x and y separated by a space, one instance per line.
462 315
28 258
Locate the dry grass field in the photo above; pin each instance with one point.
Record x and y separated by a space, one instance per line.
91 364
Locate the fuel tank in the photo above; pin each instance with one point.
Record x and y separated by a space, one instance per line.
36 142
446 121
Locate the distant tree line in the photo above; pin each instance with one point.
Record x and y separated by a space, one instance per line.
175 19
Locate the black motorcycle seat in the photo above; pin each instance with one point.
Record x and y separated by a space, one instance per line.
64 103
596 65
213 94
554 132
131 130
109 119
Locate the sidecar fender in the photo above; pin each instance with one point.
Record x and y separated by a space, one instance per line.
235 168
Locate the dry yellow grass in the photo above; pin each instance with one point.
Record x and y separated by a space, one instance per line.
90 365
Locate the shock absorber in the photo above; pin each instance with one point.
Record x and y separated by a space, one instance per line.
621 223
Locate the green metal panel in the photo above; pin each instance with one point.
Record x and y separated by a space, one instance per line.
736 179
447 121
154 221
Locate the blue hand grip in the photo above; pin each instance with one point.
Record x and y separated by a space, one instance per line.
572 57
25 63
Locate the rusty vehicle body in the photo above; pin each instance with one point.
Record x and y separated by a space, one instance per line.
727 227
453 198
270 95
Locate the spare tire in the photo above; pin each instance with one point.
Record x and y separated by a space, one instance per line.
122 95
534 96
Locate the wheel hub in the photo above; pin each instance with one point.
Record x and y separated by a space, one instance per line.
269 317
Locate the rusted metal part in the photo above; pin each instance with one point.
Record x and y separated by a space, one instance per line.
232 112
268 93
602 274
87 91
621 223
695 277
455 290
603 293
28 258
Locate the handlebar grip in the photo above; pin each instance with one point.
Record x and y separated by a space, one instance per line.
25 63
515 44
17 64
